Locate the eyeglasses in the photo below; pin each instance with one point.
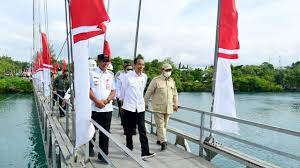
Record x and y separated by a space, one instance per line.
168 70
128 69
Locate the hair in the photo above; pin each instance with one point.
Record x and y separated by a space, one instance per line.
100 57
139 57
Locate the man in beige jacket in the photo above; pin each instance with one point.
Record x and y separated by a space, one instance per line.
164 95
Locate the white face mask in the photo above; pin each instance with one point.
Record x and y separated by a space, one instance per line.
167 74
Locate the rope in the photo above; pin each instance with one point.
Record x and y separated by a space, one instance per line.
57 57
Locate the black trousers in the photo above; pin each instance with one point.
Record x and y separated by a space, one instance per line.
120 113
104 120
61 94
131 119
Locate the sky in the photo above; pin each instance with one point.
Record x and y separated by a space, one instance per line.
183 30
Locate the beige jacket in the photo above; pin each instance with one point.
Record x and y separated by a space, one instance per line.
164 94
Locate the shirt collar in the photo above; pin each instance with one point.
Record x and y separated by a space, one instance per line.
100 70
136 75
165 78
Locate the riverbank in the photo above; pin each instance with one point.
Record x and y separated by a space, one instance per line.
13 84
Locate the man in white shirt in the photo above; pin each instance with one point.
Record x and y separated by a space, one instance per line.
119 78
132 98
102 92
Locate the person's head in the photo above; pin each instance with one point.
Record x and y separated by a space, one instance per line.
103 61
65 73
59 72
166 70
139 64
127 66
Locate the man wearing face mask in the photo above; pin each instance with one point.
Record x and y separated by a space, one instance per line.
60 86
164 95
119 79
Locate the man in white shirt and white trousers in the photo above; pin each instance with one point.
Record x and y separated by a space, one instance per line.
133 106
102 92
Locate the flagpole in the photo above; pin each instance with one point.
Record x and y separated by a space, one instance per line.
107 10
33 27
215 63
137 29
70 60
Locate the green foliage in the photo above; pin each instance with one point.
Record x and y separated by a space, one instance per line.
248 78
9 72
15 85
11 67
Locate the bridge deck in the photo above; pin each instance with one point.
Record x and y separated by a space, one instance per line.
172 157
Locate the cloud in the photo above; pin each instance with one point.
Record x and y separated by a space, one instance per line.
182 30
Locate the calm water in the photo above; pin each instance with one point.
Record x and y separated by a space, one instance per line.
21 143
277 109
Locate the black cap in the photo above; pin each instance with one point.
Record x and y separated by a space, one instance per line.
105 58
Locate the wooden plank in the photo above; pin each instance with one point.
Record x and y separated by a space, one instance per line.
172 157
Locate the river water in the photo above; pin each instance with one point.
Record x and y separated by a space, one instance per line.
21 141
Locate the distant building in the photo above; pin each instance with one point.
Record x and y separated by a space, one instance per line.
192 67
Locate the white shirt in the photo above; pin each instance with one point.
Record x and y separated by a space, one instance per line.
102 83
118 79
132 92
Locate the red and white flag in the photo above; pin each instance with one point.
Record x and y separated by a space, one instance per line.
39 73
47 65
64 65
106 48
224 102
88 19
55 69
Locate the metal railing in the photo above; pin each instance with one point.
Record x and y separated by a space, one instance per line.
202 143
53 149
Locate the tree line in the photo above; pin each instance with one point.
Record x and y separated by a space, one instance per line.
246 78
10 70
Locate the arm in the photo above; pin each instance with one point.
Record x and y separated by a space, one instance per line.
112 94
118 84
98 103
150 91
175 98
124 85
55 84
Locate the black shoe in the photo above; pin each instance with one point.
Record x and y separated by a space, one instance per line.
91 153
148 155
158 142
163 146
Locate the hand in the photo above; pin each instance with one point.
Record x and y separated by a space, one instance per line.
146 107
54 92
175 108
63 102
100 104
121 110
105 101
